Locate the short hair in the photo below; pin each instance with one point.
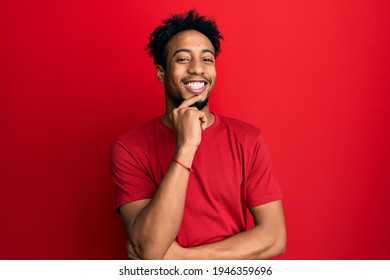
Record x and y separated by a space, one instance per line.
191 20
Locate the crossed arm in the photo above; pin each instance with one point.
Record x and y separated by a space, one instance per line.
265 240
153 224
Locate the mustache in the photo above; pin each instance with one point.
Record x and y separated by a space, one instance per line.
197 77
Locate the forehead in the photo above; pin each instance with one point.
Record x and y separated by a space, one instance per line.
191 40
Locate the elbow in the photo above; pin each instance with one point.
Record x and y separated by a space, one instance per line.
145 253
280 240
140 247
279 244
151 256
281 247
146 247
275 245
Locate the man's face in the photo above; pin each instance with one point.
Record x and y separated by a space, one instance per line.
190 68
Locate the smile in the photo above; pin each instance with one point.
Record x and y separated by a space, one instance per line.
195 87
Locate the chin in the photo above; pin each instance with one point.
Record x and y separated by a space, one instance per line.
200 104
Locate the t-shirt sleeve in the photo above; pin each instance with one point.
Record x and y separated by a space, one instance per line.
262 185
131 175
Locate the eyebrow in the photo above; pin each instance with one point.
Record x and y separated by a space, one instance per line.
189 51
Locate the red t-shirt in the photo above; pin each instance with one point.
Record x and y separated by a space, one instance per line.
232 172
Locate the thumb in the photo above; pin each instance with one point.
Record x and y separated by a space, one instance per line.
203 121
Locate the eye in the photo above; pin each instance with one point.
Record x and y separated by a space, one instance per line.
208 60
182 59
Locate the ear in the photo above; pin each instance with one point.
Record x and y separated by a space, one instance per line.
160 73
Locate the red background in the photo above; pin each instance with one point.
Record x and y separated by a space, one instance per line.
314 75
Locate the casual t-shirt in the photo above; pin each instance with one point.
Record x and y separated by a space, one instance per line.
232 172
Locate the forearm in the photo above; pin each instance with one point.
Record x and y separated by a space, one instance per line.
156 226
265 240
256 243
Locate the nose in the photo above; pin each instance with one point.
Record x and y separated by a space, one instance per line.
195 67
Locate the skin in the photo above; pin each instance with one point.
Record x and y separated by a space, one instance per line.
190 59
153 224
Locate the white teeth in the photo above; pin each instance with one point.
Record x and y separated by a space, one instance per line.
196 85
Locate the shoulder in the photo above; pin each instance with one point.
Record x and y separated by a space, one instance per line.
240 128
134 141
138 135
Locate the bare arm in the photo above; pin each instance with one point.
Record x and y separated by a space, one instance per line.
153 224
265 240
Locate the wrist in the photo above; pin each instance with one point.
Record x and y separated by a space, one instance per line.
185 154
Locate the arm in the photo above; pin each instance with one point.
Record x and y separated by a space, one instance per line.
152 224
265 240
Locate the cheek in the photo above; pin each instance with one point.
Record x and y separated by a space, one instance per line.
173 83
177 75
213 73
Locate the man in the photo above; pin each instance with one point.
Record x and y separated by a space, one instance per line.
185 181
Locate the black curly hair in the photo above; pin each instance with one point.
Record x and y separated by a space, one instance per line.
191 20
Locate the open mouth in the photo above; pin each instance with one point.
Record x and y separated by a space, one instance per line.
196 87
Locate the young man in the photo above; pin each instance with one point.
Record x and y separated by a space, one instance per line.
185 181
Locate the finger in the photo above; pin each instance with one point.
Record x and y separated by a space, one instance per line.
131 254
178 110
133 257
203 120
188 102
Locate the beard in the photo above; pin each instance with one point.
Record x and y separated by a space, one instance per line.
199 105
